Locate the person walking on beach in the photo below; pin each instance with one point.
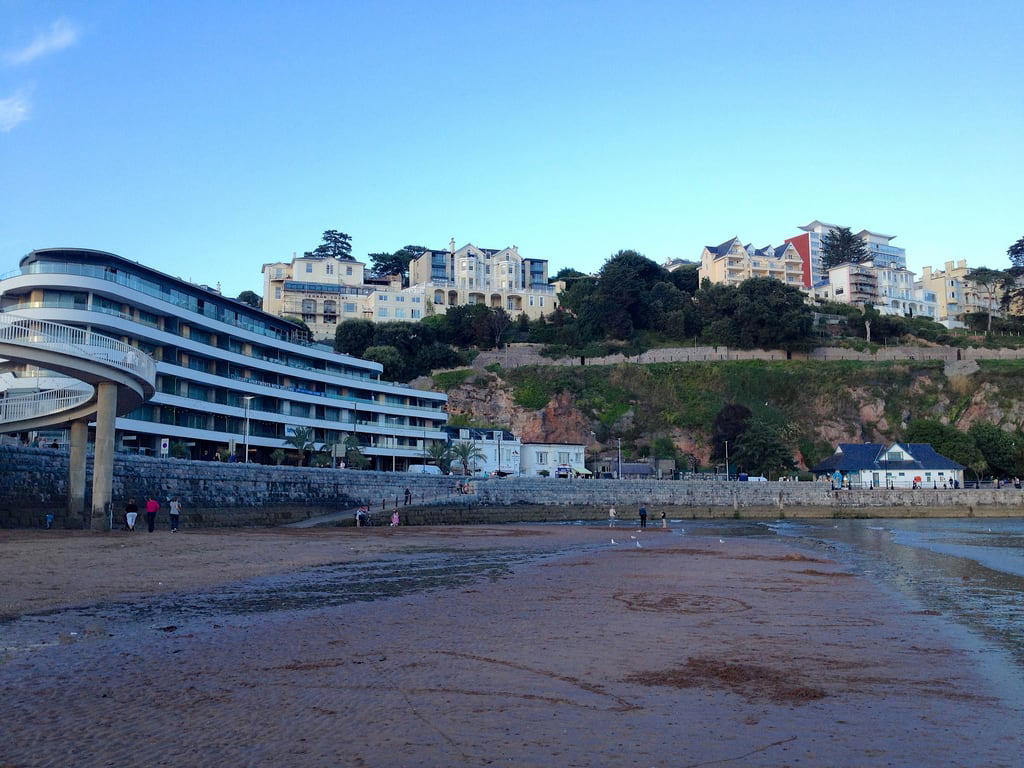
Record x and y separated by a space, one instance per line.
131 514
152 507
643 516
175 513
611 517
664 519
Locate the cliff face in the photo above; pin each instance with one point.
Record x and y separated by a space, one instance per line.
816 404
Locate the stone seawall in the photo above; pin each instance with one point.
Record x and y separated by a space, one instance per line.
776 496
33 481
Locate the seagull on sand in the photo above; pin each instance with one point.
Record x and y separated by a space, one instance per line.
721 541
638 545
613 541
632 536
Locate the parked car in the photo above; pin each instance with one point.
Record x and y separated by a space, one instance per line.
425 469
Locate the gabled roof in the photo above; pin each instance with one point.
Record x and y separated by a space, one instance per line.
855 457
724 248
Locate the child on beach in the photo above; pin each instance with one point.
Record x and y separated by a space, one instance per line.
394 519
611 517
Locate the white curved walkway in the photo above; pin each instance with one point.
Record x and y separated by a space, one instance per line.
88 358
105 378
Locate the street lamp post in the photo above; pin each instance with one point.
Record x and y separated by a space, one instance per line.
727 473
619 441
501 432
248 399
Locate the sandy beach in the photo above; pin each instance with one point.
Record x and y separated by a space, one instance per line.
519 646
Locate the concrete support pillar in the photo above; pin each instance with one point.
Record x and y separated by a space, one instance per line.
103 456
76 469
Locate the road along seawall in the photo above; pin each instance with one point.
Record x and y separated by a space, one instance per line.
33 481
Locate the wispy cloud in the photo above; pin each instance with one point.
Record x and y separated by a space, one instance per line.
61 34
13 110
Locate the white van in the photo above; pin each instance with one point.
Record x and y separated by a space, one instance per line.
424 469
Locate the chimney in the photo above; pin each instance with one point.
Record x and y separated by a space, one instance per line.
451 246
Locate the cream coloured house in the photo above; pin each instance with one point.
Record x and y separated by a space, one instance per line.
496 278
956 295
732 262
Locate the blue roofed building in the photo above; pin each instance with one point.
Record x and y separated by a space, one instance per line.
898 465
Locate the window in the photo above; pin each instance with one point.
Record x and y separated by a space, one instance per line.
330 269
350 307
415 314
309 267
381 297
542 457
416 299
348 270
277 292
563 457
399 298
278 273
542 301
382 312
399 312
531 301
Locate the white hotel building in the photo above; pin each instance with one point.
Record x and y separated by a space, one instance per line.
222 364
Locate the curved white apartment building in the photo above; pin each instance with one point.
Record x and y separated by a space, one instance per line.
214 355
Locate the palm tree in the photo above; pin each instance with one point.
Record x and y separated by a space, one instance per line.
466 452
302 440
440 454
354 458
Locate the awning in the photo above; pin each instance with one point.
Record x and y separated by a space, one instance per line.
582 471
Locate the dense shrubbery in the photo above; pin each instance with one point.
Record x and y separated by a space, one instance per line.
633 303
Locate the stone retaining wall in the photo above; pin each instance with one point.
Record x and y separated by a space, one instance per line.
627 494
33 481
529 354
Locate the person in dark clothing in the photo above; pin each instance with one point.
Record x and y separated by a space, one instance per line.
408 497
643 516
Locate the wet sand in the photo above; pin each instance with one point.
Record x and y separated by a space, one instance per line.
562 650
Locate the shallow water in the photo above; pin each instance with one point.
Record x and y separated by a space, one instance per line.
322 586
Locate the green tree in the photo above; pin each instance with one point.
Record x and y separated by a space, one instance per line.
277 456
466 452
761 450
397 263
758 313
685 278
302 440
499 323
993 283
567 273
321 459
948 441
999 448
336 244
251 298
390 358
352 337
179 450
1016 254
731 421
354 458
840 246
434 356
440 454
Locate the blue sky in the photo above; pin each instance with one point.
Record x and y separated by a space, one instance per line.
206 138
